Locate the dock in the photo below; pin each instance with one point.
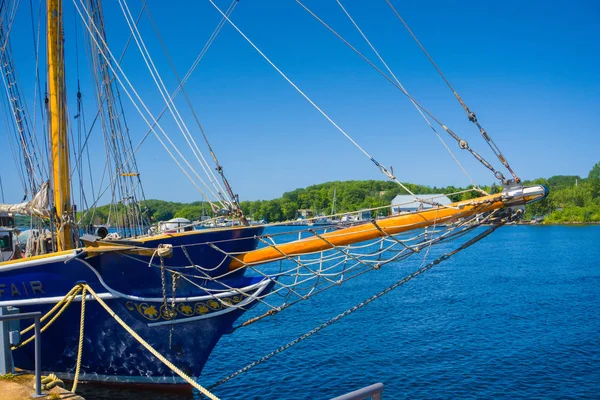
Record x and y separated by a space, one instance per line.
20 387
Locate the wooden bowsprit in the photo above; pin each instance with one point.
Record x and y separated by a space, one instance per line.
513 197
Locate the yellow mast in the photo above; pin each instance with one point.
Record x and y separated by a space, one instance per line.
58 125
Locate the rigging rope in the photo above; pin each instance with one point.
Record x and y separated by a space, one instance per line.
10 127
236 208
147 117
470 114
125 181
410 98
192 68
154 73
381 167
461 143
312 274
357 307
10 23
19 111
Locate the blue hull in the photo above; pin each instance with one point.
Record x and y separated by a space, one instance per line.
185 334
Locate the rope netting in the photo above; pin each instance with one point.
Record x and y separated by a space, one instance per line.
296 278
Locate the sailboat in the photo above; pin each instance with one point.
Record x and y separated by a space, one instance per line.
182 291
119 271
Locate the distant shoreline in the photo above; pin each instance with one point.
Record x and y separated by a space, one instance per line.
559 223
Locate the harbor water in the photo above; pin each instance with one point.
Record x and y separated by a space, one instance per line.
514 316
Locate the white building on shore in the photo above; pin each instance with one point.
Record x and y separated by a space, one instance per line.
407 203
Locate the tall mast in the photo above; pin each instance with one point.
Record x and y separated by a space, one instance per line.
59 144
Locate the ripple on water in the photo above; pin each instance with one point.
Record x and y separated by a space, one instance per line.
515 316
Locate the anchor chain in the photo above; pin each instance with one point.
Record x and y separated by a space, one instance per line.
174 279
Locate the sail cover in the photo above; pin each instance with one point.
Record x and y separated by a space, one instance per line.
38 206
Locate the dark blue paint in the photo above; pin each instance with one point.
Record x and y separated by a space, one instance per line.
514 316
108 349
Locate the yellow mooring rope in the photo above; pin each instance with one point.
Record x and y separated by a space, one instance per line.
151 349
73 292
66 301
50 381
80 347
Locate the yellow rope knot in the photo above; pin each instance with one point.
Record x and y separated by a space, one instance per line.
50 381
164 250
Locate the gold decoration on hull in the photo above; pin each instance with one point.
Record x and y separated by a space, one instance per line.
155 312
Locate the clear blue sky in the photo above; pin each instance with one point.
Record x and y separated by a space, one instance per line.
528 69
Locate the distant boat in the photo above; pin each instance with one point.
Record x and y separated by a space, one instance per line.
356 217
8 237
322 221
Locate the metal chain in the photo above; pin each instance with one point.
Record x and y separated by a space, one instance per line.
166 310
360 305
162 279
174 279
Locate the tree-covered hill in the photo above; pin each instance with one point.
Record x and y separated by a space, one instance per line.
572 199
348 196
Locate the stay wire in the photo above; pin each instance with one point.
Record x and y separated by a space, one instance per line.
212 176
194 65
381 167
155 120
135 95
20 112
16 158
461 143
114 125
470 114
9 23
154 73
219 168
411 100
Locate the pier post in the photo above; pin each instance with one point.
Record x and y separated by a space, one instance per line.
5 351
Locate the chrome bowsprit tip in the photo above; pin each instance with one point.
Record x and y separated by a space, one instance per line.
518 196
535 193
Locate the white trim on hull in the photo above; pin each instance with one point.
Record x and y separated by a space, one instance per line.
160 299
51 300
248 300
45 260
260 287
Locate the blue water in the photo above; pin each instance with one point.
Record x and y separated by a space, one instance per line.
515 316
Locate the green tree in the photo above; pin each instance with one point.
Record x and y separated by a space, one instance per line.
162 213
594 181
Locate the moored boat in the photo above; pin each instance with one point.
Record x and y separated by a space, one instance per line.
181 289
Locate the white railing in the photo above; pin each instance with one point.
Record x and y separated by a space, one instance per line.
370 392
